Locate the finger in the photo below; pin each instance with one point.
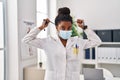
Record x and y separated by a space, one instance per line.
80 21
48 20
45 21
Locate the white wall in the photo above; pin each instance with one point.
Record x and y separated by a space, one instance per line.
13 59
96 13
1 43
26 12
18 10
52 10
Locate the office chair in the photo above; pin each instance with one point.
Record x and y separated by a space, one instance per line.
93 74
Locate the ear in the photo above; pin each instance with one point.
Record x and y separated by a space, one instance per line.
57 28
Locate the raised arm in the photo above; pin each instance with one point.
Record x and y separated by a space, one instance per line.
93 40
31 39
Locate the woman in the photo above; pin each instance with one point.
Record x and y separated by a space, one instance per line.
63 53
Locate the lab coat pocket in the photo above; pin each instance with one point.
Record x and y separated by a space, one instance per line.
75 49
75 53
50 75
75 76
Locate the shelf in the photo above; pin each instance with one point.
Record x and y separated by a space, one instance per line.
99 62
108 62
113 66
89 61
110 42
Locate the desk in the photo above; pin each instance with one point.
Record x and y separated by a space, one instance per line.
35 73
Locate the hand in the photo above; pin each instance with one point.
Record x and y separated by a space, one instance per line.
44 24
80 23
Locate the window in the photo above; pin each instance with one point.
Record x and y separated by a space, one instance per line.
42 13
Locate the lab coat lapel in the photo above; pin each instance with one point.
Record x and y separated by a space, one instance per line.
57 40
71 41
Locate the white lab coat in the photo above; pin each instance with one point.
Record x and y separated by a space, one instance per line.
63 63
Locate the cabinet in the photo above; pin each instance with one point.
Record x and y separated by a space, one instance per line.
33 73
107 55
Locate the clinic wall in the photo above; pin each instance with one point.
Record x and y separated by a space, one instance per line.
98 14
52 11
12 38
26 12
15 12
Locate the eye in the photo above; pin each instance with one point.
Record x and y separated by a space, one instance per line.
63 28
69 28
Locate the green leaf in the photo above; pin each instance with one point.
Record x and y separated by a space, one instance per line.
75 31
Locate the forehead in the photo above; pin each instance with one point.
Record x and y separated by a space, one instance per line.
65 23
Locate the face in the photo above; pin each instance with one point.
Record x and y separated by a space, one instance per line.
64 25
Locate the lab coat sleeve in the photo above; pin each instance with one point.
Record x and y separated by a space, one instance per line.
92 41
31 39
